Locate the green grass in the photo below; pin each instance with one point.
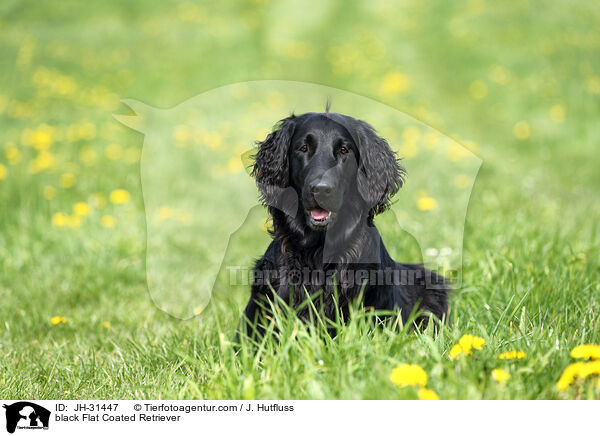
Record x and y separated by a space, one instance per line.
531 244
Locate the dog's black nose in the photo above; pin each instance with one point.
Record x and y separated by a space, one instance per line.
321 188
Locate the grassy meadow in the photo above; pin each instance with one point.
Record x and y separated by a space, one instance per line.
516 84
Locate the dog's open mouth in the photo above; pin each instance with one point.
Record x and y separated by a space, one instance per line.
320 217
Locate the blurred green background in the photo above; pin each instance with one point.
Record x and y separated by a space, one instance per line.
518 83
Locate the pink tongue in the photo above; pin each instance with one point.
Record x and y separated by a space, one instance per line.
319 214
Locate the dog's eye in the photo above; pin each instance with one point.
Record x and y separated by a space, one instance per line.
303 149
343 150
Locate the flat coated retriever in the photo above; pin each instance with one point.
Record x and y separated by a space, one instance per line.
324 177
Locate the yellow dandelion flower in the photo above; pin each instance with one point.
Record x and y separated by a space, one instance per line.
521 130
49 192
408 150
592 84
41 138
471 146
181 134
26 137
394 83
466 344
568 375
114 151
59 219
478 90
500 375
132 155
197 310
590 368
462 181
65 85
586 351
427 394
275 100
455 351
12 153
55 320
88 156
235 165
557 113
239 90
106 324
81 209
478 342
42 161
87 130
107 221
457 152
426 203
512 355
499 74
67 180
408 375
3 172
431 140
411 134
212 139
164 213
119 196
579 370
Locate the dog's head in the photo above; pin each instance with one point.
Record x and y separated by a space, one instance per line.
337 165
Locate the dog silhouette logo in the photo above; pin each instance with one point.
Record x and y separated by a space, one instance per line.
26 415
201 204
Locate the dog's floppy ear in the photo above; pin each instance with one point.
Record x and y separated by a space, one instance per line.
271 166
380 175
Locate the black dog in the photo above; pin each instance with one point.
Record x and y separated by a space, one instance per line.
324 177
